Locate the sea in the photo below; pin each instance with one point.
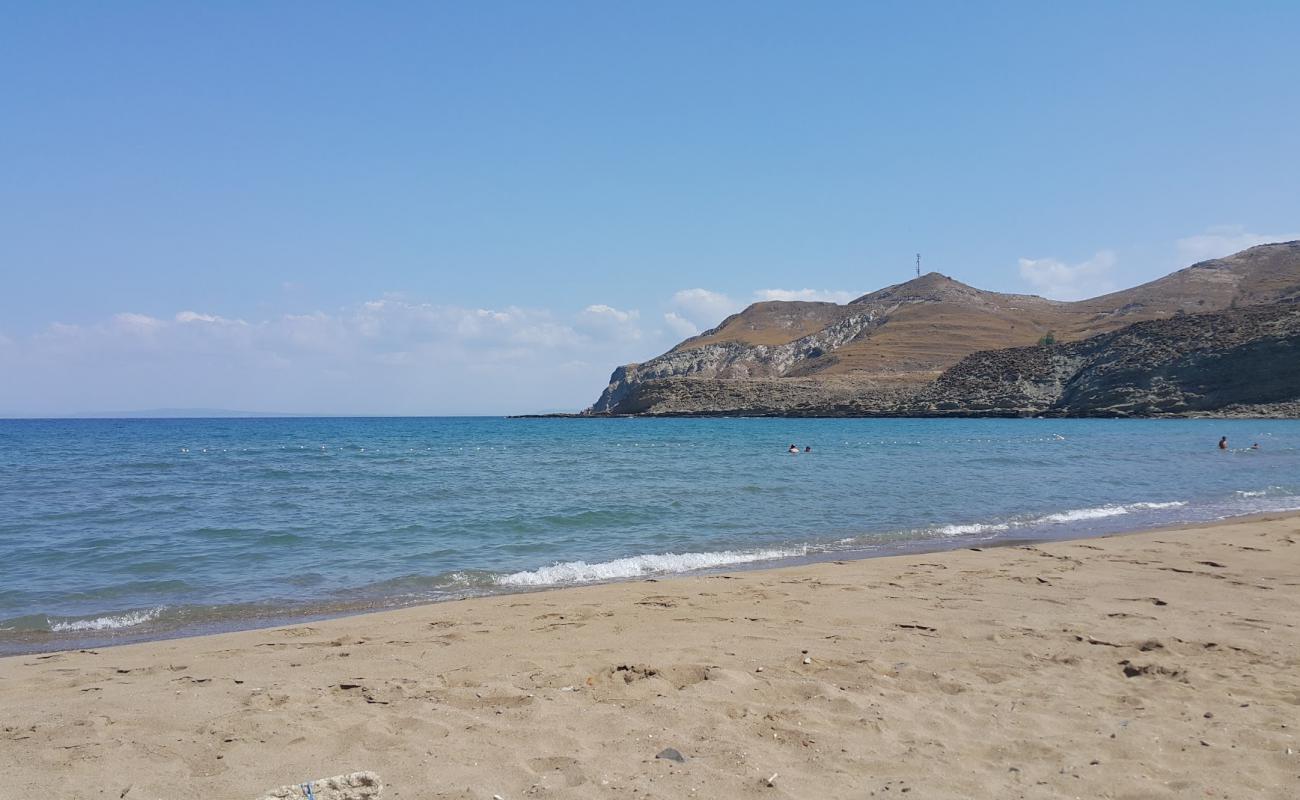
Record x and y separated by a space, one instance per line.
124 530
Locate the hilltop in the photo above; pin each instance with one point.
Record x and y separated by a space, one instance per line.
880 352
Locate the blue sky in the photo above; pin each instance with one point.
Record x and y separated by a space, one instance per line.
484 207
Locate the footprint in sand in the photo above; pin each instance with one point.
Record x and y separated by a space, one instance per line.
661 601
1155 601
568 769
679 675
558 625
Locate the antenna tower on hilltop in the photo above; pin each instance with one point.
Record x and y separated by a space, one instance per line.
918 265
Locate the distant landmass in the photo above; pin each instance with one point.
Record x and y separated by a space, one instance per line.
1219 337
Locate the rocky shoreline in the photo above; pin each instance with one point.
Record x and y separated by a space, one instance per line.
1238 364
1218 338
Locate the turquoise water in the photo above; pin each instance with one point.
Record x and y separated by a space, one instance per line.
112 530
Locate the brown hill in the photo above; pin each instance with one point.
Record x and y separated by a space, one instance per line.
1269 273
904 336
1244 361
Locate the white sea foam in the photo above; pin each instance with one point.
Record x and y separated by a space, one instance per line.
1265 492
973 527
1101 512
106 623
1078 514
633 566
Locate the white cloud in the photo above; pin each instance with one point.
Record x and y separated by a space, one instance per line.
188 317
603 312
694 310
680 326
137 323
704 308
60 330
389 355
1061 281
606 322
812 295
1223 240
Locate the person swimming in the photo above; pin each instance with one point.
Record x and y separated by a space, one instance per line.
1255 446
1223 443
794 448
808 449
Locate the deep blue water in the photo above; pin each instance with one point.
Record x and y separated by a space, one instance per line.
117 529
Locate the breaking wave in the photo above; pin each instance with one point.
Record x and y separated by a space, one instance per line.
1268 491
635 566
110 622
974 527
1101 512
1078 514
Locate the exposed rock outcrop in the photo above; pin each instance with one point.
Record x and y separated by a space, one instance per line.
1239 362
900 350
728 361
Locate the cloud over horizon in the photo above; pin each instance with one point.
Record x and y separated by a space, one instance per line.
703 308
389 355
1058 280
700 309
393 354
808 295
1218 241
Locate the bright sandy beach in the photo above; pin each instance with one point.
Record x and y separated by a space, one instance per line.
1163 664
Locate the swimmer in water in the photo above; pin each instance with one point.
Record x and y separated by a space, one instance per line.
1223 443
808 449
794 448
1255 446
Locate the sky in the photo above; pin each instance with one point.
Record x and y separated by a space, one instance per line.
483 208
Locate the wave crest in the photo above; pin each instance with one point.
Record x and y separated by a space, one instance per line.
973 527
1101 512
635 566
106 623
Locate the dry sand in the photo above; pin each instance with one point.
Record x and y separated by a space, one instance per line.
1160 664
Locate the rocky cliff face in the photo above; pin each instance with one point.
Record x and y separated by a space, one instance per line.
900 349
727 361
1244 362
1187 365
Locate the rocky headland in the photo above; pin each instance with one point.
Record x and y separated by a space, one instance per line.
1220 337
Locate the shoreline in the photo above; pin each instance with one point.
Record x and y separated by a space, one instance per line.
38 642
280 616
1156 663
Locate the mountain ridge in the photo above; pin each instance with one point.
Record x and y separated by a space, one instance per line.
898 339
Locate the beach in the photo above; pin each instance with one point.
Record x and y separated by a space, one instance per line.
1158 664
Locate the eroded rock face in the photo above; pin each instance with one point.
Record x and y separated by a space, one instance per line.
882 353
1186 365
1244 362
788 397
730 361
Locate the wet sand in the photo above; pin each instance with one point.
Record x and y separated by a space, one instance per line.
1163 664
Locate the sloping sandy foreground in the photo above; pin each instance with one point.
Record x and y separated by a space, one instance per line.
1161 664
